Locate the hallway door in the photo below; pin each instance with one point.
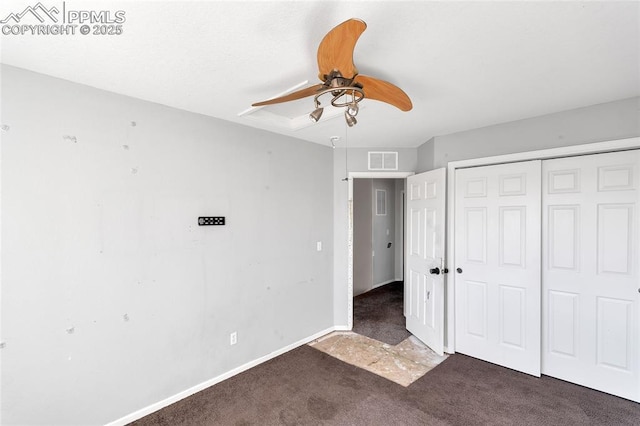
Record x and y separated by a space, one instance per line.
424 277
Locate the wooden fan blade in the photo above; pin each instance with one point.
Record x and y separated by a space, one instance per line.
302 93
384 91
335 51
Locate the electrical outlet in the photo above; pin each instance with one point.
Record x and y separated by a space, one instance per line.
210 220
233 338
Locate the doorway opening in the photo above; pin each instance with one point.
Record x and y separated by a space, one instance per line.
377 262
378 238
407 358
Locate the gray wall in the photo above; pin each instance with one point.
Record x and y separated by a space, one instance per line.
112 297
370 234
384 232
362 236
425 156
597 123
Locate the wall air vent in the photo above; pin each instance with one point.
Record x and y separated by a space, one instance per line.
383 160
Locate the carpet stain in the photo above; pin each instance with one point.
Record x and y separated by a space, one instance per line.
289 417
348 382
320 408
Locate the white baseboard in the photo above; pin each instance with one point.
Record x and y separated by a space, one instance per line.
384 283
197 388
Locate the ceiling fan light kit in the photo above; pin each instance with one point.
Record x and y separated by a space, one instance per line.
317 113
341 79
350 119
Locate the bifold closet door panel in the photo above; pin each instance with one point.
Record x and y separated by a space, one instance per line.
590 297
497 264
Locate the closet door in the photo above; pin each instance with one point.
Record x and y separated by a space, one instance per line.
591 284
497 264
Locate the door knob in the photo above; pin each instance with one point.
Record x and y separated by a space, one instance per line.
459 270
434 271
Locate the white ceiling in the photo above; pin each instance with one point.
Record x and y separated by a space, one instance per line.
463 64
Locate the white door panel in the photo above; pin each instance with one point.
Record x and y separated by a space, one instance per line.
589 294
424 291
591 323
497 291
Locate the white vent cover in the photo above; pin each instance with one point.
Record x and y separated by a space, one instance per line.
383 160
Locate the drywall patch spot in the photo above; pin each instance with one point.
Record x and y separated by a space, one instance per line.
2 345
134 170
125 317
71 330
70 138
5 128
134 124
125 147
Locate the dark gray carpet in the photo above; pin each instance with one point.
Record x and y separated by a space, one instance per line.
378 314
308 387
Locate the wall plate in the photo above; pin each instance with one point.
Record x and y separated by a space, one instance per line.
211 220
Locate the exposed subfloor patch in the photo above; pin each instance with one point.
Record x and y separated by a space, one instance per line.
403 363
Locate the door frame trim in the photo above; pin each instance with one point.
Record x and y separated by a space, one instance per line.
544 154
351 177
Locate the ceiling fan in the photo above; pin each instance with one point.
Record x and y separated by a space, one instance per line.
340 77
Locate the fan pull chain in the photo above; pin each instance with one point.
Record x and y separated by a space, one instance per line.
346 153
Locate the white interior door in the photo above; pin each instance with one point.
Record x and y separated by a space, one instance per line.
591 284
497 260
424 277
